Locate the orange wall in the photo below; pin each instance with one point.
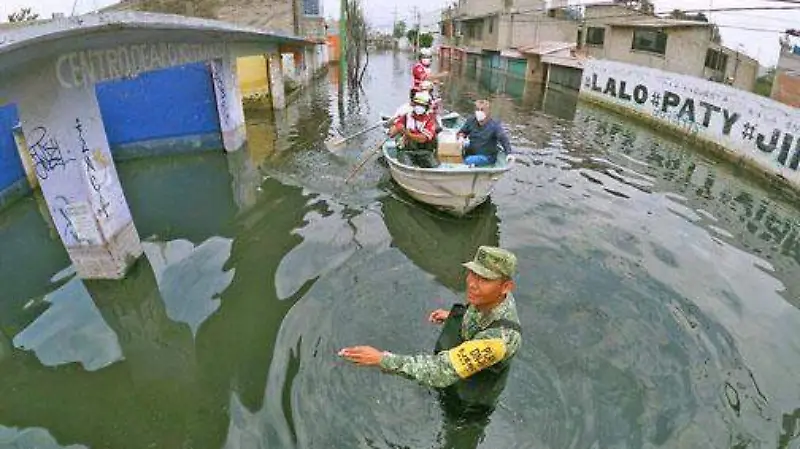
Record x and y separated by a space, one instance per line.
333 47
787 90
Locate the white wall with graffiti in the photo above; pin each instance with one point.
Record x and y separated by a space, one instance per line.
761 131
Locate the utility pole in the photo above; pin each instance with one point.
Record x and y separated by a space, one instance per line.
419 26
342 43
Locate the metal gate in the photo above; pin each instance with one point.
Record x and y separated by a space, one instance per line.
565 76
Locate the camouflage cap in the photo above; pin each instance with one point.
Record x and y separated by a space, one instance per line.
491 262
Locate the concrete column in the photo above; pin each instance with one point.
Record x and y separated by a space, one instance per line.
25 156
66 138
229 102
276 88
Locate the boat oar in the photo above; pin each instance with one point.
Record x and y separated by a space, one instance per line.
369 156
335 143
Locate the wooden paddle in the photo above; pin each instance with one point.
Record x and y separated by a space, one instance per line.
369 156
333 144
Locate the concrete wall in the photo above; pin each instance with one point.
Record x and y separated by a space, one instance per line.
759 132
789 62
253 76
531 4
271 15
530 29
480 7
740 68
161 111
600 14
686 50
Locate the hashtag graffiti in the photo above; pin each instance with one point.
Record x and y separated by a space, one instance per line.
749 131
655 100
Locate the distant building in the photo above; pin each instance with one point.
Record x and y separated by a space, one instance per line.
496 25
502 34
687 47
513 37
786 87
302 18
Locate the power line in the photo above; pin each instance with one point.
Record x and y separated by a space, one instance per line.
647 16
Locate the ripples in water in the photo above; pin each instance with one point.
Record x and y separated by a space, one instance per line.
658 293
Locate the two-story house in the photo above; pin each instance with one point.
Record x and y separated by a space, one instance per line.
508 36
528 37
688 47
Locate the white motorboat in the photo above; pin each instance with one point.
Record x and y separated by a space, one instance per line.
454 188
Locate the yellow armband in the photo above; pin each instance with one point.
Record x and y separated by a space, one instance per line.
475 355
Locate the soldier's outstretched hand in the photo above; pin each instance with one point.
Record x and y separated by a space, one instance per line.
362 355
439 316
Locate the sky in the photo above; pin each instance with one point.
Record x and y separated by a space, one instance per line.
761 45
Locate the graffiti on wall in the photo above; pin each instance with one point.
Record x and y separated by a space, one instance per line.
96 171
46 153
218 74
699 111
86 67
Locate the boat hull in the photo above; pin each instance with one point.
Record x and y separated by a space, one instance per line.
453 188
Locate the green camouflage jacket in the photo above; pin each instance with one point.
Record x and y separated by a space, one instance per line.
447 367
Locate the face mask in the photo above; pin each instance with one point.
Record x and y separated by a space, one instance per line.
480 116
426 61
419 110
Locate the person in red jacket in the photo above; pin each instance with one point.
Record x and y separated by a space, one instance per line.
421 71
418 129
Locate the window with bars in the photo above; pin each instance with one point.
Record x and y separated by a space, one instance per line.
716 60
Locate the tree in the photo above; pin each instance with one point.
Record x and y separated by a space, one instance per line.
23 15
412 35
400 29
425 40
357 41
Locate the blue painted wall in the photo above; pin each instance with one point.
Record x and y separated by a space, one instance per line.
176 106
11 169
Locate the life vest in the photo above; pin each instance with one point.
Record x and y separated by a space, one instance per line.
483 388
413 124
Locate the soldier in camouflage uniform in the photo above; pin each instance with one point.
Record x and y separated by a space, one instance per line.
470 363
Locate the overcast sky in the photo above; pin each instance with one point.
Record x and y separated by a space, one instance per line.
762 45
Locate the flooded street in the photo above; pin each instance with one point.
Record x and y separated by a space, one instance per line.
658 292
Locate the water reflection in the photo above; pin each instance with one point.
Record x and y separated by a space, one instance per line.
328 241
71 330
719 199
31 254
522 96
187 196
655 289
33 438
437 243
190 278
791 430
5 345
